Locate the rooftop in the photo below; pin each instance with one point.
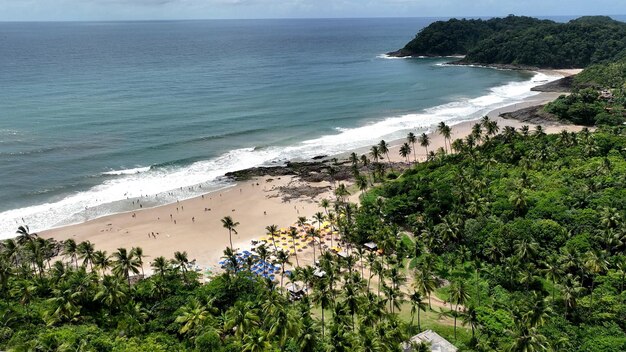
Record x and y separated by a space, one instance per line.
437 343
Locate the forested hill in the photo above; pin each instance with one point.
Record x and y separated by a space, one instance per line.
522 41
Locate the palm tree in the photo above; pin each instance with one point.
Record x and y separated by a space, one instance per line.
86 251
124 263
384 149
160 266
264 255
319 218
425 283
242 316
293 233
181 259
410 138
459 296
405 151
375 153
70 249
362 183
424 141
112 292
595 263
341 192
477 131
323 296
552 272
527 339
416 299
325 204
256 341
232 264
62 306
444 131
492 128
283 258
101 260
469 316
192 316
229 224
24 235
272 230
137 252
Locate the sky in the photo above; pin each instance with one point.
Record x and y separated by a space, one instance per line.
85 10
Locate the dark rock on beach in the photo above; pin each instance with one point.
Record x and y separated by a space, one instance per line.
563 85
534 115
316 171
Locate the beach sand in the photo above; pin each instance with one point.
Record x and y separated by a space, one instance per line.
204 238
253 206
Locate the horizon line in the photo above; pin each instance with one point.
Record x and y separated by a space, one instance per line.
288 18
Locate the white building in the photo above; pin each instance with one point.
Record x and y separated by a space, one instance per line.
437 343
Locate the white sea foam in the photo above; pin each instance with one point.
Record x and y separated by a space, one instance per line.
107 197
127 171
389 57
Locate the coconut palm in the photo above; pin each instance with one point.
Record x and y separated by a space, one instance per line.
445 131
405 151
272 230
112 292
594 263
293 234
282 258
424 141
193 316
469 316
341 192
417 305
319 218
232 264
256 341
124 263
160 266
138 254
86 251
425 283
242 317
375 153
322 295
101 261
24 235
411 138
458 295
229 224
384 149
362 183
182 260
70 249
553 272
492 128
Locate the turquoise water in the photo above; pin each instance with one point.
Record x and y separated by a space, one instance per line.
94 113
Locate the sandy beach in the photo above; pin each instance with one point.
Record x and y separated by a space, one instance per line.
194 225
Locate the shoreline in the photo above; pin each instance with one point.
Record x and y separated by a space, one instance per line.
194 224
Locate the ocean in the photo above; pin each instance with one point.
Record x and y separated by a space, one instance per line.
95 114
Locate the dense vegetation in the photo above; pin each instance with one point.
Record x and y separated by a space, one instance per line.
523 41
521 233
598 96
532 224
